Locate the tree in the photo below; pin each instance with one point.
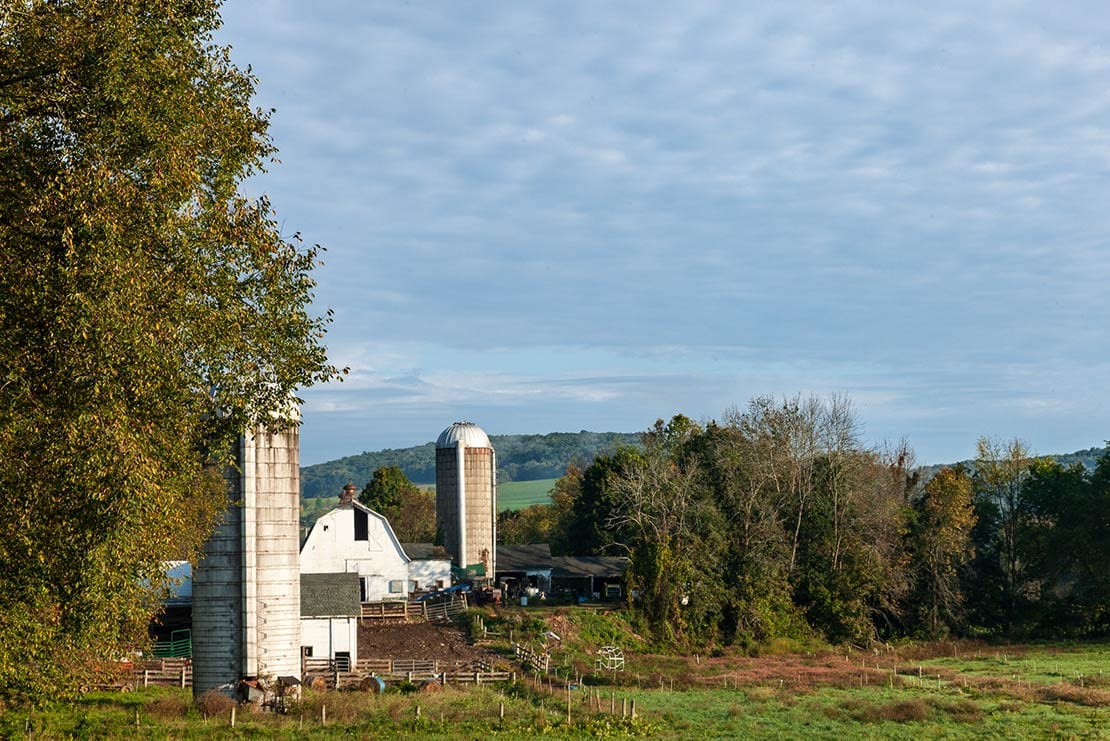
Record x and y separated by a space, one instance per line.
672 533
1002 512
415 519
387 490
148 314
940 545
756 560
1066 546
591 530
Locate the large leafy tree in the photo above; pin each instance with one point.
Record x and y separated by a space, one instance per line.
410 510
939 541
387 489
1003 516
148 312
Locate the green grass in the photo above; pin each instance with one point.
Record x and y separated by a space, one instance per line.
900 712
521 494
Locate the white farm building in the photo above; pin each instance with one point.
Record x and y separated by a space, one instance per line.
353 538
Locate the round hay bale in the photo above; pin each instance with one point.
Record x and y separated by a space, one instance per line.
430 686
373 685
319 684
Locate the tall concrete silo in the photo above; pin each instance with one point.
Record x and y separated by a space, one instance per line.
466 495
246 588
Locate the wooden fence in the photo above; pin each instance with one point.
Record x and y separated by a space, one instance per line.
439 610
531 658
321 672
357 680
148 673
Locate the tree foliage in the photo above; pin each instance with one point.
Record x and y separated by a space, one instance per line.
777 522
940 545
410 511
148 313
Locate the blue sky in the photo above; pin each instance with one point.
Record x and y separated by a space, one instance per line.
554 216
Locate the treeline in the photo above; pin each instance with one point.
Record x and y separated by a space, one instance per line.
776 522
519 458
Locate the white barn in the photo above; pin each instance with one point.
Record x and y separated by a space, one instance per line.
353 538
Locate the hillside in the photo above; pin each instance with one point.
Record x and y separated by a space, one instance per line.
519 458
1088 457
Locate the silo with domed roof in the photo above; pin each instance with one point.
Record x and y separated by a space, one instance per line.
466 496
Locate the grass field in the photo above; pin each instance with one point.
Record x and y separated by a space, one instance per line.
948 690
521 494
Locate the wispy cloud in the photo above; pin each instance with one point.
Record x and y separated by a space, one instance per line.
903 202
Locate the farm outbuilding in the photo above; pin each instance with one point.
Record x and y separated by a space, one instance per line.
354 538
590 577
330 610
524 569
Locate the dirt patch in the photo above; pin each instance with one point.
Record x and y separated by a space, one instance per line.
417 641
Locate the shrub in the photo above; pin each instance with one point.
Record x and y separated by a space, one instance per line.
214 702
168 706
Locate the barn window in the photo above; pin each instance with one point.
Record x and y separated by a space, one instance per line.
362 525
396 586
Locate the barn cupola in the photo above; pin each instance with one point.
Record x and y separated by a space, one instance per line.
348 494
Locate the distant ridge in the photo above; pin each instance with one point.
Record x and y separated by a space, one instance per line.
526 458
1088 457
519 458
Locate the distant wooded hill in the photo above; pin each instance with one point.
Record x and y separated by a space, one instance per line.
519 458
1087 457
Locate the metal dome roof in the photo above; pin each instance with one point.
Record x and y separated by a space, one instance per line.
466 434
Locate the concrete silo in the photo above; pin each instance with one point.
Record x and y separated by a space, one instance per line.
246 588
466 495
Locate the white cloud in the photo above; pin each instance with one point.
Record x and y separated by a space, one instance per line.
880 190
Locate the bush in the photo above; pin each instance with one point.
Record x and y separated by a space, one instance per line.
214 702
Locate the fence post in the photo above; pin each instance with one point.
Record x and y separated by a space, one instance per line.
146 677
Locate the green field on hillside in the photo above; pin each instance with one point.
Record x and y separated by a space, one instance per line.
510 495
521 494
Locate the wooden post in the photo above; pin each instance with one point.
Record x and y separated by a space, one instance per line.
232 716
624 707
477 678
568 704
613 703
146 677
323 715
183 676
633 709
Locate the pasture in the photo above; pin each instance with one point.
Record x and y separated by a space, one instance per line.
914 691
521 494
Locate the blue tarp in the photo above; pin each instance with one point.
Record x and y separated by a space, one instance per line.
442 592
